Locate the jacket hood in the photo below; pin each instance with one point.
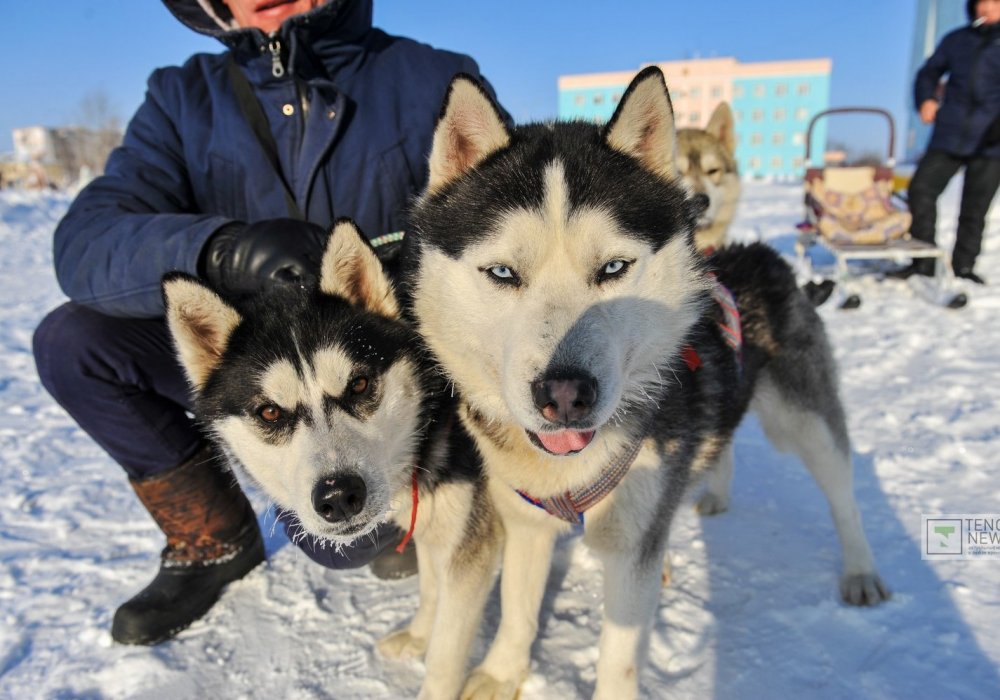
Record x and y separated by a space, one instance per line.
346 18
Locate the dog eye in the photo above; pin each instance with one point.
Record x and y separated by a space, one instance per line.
501 274
615 268
270 413
359 385
713 172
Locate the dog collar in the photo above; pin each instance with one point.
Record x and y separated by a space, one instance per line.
571 505
413 514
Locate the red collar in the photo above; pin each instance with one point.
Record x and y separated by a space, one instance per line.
413 514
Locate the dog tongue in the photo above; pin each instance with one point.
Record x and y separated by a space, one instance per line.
566 441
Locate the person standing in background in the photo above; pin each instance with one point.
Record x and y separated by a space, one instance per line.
966 134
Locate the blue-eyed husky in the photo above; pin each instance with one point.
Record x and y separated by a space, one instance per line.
326 400
553 275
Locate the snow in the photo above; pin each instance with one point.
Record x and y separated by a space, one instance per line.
752 611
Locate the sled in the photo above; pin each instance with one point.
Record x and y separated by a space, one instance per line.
858 213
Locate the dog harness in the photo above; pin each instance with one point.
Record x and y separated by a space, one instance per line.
730 325
570 506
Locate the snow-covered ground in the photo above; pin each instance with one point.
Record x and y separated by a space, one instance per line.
752 611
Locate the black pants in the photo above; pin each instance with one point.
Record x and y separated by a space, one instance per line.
982 177
120 380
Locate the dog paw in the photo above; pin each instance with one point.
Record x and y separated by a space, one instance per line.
863 590
402 645
483 686
711 504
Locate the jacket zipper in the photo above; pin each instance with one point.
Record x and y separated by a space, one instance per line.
274 46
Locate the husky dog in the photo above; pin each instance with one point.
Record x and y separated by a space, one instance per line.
553 276
326 401
706 160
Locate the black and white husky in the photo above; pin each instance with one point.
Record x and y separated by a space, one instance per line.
553 276
326 400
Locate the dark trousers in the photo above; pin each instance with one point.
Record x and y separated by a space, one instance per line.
982 177
119 379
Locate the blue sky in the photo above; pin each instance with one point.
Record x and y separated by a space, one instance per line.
57 52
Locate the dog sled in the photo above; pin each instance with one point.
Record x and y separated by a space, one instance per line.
858 214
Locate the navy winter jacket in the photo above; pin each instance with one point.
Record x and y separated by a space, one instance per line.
352 110
970 56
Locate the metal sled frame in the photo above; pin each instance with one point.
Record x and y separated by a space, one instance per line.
900 250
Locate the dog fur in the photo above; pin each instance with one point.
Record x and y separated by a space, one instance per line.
706 159
551 271
309 390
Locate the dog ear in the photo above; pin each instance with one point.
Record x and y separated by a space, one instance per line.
200 322
722 127
643 124
351 270
469 129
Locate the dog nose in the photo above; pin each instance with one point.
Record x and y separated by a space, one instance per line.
336 499
699 204
565 399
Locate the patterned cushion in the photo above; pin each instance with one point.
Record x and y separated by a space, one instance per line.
892 226
866 217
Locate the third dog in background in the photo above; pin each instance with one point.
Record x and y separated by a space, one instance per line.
706 160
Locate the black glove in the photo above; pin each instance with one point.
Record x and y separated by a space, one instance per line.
247 258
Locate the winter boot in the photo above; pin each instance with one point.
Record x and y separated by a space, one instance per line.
212 540
391 565
919 266
966 273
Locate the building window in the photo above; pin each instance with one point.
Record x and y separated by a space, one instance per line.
798 138
754 163
797 162
716 91
779 114
694 118
679 95
777 138
781 89
738 115
599 98
616 98
801 114
579 100
757 115
776 162
802 89
737 91
756 138
759 90
695 92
